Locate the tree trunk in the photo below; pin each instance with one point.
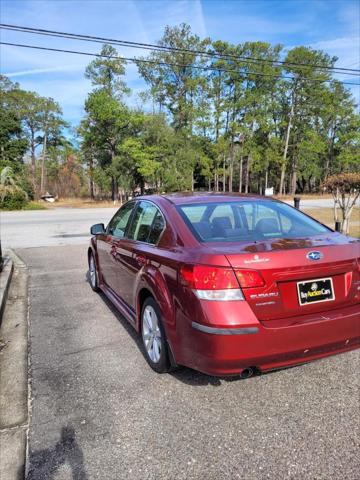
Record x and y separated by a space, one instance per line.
293 183
336 204
42 182
294 177
113 188
92 195
224 175
113 178
247 174
347 203
33 160
91 177
287 138
142 186
241 174
330 155
231 166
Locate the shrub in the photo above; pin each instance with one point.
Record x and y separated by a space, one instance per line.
25 185
345 189
343 183
12 197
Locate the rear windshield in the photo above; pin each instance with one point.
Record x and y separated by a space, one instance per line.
247 221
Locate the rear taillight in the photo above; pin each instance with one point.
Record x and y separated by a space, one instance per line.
203 277
249 278
211 283
219 283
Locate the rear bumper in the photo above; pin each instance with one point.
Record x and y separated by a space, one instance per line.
215 353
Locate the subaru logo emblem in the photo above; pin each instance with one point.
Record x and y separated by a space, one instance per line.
314 255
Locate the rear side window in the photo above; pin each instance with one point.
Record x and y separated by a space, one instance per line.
248 221
157 228
148 223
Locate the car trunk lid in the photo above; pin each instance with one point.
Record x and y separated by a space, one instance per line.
297 284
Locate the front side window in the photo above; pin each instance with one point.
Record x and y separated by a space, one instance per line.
148 223
248 221
120 220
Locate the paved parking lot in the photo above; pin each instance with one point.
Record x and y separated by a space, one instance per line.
99 412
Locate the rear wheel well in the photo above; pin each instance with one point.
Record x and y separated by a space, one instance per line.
143 295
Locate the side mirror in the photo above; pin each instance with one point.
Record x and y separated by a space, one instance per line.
97 229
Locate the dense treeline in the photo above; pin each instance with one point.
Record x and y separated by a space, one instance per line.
34 153
219 121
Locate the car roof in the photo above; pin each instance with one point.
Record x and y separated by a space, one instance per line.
182 198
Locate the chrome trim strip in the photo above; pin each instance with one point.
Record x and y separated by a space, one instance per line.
224 331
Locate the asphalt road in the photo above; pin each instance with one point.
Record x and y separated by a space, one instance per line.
69 226
58 226
99 412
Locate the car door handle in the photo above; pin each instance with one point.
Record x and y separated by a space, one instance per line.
140 259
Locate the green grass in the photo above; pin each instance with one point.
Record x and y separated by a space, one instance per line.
35 206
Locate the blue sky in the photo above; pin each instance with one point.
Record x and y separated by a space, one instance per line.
331 25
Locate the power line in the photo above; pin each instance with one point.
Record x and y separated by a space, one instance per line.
352 64
138 60
163 48
149 46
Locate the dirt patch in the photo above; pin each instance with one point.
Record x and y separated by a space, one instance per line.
81 203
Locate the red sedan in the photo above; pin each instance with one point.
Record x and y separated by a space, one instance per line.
228 284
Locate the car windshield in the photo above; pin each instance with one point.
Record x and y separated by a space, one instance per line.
247 221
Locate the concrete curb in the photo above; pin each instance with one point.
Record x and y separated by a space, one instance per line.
14 379
5 279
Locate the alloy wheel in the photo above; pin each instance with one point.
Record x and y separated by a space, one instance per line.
151 334
92 272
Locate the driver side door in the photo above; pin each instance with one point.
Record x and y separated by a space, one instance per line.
107 243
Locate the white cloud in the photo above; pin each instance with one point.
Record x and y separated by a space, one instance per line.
36 71
347 49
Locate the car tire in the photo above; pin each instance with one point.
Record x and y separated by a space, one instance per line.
154 337
93 273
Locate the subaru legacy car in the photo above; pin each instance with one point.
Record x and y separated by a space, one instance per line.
228 284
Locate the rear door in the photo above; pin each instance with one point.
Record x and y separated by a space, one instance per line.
107 244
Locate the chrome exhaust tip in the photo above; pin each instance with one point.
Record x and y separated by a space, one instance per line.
247 373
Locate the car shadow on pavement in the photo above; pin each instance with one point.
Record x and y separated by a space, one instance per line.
45 463
198 379
130 330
